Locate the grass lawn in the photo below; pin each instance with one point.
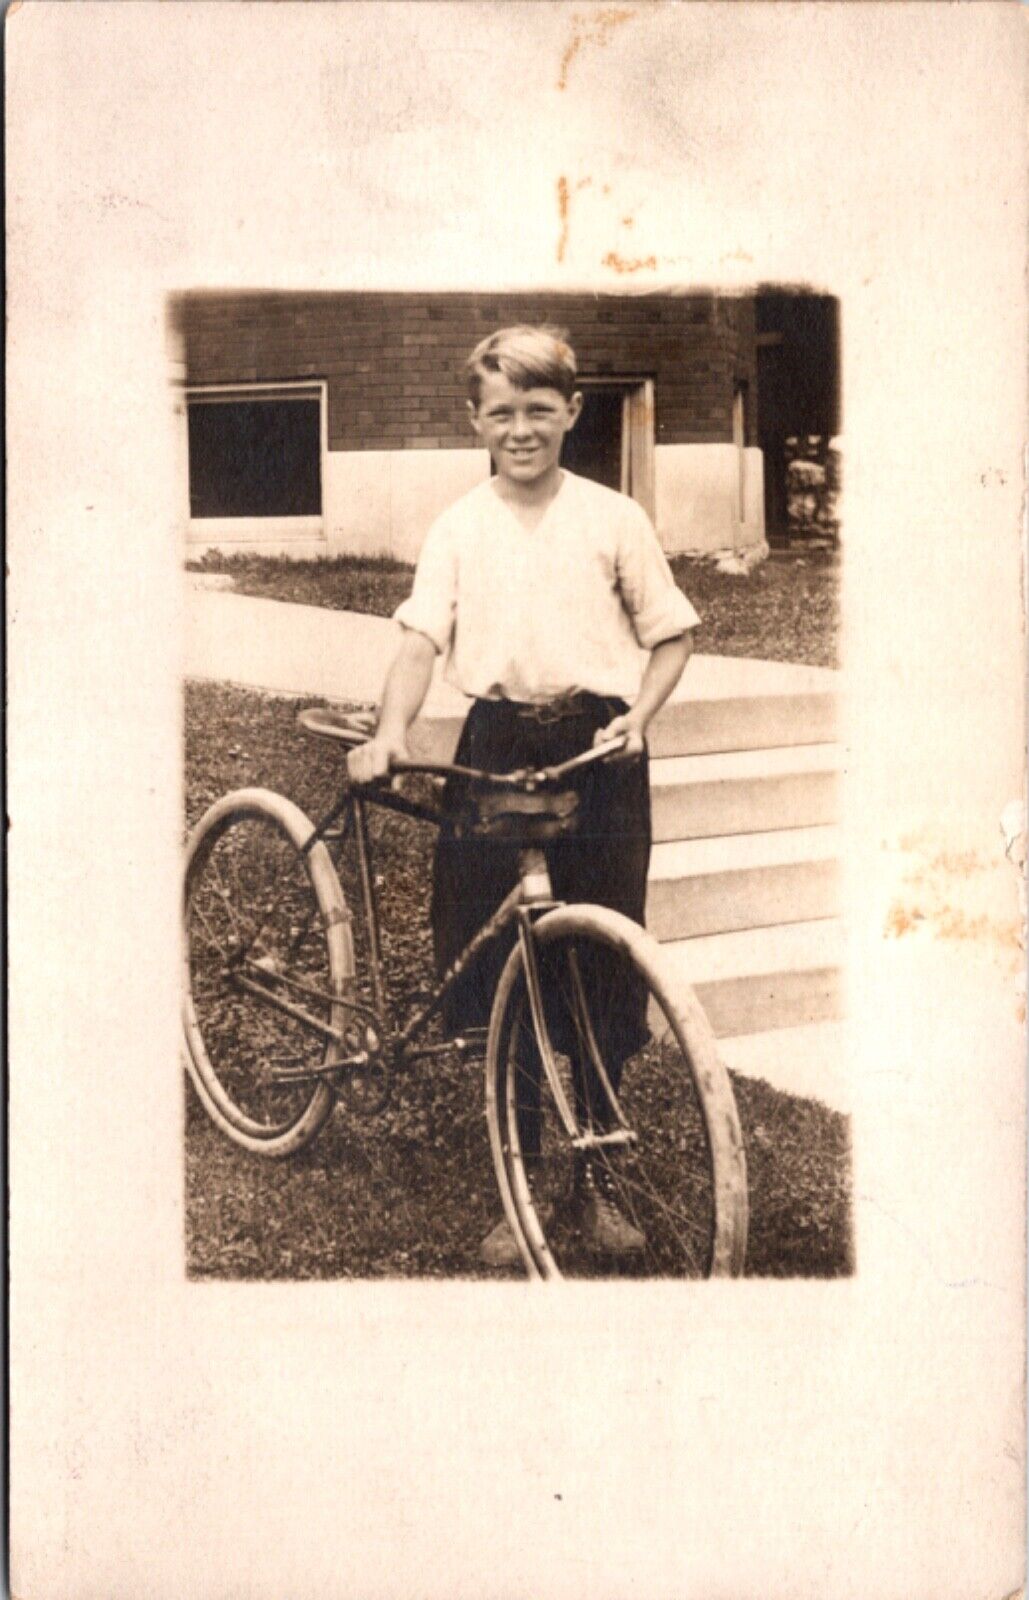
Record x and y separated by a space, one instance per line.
410 1191
786 610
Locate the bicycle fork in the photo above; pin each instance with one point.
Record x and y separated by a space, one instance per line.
536 892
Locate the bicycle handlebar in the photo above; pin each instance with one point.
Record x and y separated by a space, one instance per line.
525 778
352 730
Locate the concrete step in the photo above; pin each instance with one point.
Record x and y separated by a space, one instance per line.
745 791
809 1061
723 703
734 703
698 726
757 979
755 721
748 880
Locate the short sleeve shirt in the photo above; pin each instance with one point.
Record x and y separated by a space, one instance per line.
527 614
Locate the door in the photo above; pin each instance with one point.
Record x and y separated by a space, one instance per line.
613 440
593 449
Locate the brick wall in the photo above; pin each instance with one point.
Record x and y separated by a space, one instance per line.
393 362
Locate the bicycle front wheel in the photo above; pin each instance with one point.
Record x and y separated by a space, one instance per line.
266 929
650 1178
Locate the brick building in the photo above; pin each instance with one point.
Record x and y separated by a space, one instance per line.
332 423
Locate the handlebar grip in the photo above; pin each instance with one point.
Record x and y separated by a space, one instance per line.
598 753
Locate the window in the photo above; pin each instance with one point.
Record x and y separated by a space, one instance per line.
255 453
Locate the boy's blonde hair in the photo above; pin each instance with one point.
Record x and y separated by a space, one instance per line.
529 358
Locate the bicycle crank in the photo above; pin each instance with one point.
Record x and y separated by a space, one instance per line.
363 1079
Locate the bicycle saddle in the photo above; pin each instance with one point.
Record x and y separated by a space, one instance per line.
348 727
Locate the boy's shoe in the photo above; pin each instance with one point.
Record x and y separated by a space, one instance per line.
500 1247
602 1227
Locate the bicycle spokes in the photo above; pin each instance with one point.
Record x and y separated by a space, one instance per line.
261 980
630 1188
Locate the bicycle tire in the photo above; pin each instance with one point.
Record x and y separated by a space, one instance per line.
250 883
682 1181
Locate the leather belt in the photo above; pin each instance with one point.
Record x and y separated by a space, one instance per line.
560 709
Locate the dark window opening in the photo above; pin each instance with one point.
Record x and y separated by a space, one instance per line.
593 449
255 458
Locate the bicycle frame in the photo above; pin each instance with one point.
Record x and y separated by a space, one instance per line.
531 896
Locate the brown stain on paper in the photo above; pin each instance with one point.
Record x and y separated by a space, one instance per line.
901 920
614 260
953 895
619 263
593 28
951 922
564 205
563 202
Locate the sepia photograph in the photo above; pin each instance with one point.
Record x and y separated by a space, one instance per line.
694 1120
516 799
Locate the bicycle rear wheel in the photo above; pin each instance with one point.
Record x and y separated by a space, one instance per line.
671 1158
263 916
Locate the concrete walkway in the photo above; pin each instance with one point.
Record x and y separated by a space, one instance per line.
343 655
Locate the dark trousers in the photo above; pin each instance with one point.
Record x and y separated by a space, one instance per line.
605 862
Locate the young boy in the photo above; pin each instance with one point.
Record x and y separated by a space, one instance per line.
540 588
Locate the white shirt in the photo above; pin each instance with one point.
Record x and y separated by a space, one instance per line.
528 614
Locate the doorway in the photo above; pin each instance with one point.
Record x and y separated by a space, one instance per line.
593 449
613 440
798 393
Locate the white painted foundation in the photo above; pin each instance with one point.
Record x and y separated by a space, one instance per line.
696 492
267 536
381 502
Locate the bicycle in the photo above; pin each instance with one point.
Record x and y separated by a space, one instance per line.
281 1025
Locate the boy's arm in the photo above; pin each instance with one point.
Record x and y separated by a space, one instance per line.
403 695
664 669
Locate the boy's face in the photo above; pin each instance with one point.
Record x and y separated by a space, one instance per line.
522 429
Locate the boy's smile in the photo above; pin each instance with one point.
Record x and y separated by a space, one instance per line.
523 429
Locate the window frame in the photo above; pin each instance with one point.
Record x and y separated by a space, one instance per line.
740 401
253 529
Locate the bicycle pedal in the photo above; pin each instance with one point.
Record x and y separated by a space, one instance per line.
471 1044
598 1141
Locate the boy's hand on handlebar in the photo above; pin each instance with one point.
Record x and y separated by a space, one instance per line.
366 762
622 727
